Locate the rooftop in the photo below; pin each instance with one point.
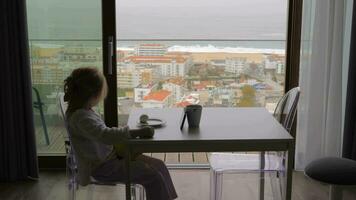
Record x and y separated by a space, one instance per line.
160 95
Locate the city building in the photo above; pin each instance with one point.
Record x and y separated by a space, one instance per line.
218 62
141 91
235 65
128 78
151 50
49 74
176 89
81 54
167 66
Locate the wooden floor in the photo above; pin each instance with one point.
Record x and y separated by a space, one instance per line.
190 185
56 146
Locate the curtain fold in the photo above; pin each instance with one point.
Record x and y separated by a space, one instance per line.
320 107
18 157
349 144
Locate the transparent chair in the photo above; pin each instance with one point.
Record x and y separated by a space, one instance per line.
72 170
272 163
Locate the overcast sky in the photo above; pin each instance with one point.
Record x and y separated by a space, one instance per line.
202 19
157 19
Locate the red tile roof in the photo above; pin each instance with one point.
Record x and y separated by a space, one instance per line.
160 95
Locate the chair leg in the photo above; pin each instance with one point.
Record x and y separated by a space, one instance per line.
335 192
90 192
133 192
262 175
140 192
275 185
219 185
72 190
212 184
216 179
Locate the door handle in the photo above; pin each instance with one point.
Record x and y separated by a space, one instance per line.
110 53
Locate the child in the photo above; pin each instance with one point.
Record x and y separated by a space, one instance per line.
93 141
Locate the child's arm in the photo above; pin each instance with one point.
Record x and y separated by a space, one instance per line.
94 128
144 132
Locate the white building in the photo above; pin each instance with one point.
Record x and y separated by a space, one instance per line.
176 89
235 65
280 68
151 50
270 65
128 78
141 91
218 63
167 66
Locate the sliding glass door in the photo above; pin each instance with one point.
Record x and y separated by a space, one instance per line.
157 54
63 35
228 53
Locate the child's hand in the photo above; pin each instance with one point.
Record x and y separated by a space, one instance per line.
144 132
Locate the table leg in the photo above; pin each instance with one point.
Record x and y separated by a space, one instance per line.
128 176
262 175
289 171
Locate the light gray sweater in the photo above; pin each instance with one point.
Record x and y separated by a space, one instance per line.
92 141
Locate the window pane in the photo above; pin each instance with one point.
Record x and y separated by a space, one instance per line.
63 35
228 53
202 19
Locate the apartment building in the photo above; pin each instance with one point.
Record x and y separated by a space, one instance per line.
235 65
128 78
49 74
167 66
151 50
142 90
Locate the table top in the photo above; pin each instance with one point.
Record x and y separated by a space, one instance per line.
217 124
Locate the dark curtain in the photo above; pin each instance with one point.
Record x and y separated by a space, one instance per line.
349 145
18 158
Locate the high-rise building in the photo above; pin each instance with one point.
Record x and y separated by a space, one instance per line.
235 65
128 78
151 50
168 66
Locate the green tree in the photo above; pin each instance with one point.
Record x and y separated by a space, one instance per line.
160 85
248 98
248 91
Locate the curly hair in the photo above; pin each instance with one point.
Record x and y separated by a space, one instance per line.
84 86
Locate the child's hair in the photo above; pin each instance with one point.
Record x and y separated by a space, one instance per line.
84 87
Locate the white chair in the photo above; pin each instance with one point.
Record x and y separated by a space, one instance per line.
271 163
72 170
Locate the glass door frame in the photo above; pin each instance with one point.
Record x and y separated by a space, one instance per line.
109 60
108 21
109 39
